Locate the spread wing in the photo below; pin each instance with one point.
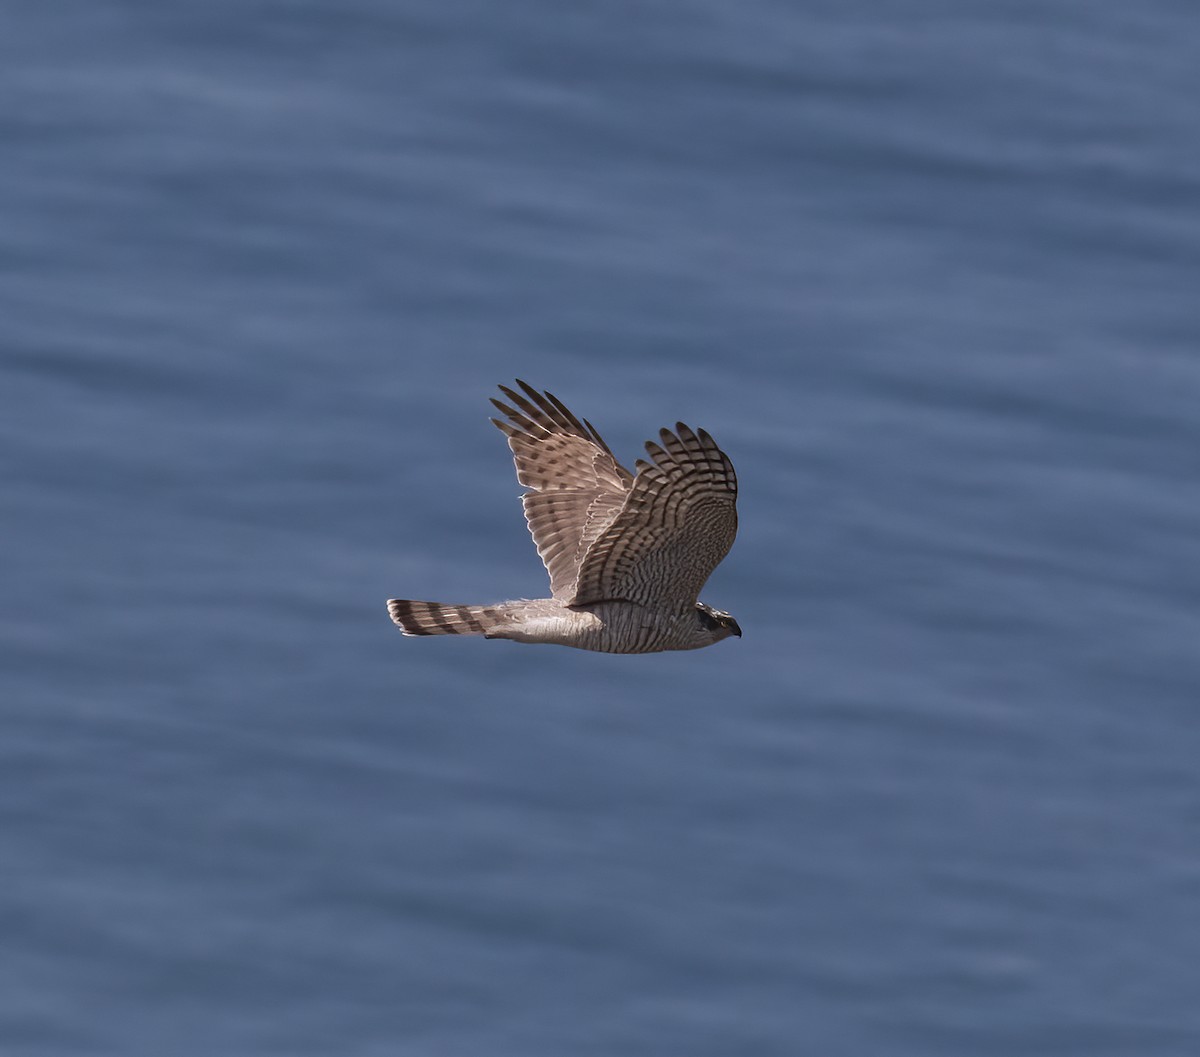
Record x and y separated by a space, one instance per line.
678 522
577 486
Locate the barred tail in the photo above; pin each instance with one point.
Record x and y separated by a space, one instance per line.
434 618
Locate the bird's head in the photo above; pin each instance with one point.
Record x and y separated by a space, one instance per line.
716 623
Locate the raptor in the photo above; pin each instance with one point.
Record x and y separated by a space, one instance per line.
627 553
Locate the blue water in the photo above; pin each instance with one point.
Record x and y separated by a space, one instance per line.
929 272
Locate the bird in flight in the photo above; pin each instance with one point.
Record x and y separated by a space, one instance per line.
627 554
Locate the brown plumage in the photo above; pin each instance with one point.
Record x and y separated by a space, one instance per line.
627 555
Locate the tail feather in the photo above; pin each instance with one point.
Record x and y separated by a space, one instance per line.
435 618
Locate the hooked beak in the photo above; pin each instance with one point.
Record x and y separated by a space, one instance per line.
735 628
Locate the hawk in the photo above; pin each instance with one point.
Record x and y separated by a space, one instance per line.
627 554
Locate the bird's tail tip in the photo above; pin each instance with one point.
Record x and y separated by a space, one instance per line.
437 618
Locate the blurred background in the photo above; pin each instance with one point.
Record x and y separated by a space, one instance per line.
929 273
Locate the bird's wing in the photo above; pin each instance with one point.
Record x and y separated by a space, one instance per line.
576 485
678 522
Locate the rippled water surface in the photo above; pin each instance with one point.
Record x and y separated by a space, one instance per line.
928 272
